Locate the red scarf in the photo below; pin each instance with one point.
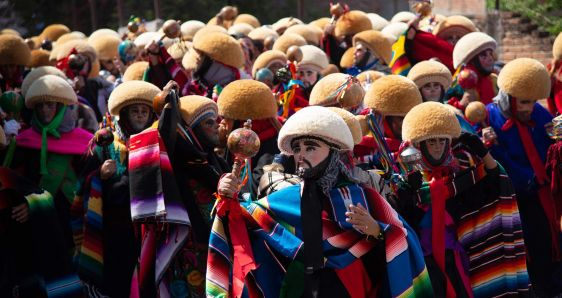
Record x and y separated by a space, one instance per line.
439 177
553 160
243 256
392 141
439 195
555 98
266 128
390 138
367 146
544 192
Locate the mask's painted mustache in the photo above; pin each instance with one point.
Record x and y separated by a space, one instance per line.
305 161
301 170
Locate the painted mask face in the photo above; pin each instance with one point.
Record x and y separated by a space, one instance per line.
308 153
308 77
431 91
524 109
436 147
138 117
360 51
209 127
487 60
46 111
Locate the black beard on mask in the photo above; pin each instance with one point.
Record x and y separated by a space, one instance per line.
314 172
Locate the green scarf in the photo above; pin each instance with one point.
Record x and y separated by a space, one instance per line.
51 129
61 176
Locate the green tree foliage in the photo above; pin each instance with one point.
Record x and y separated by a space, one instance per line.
76 14
546 13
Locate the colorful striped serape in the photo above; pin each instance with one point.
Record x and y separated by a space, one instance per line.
276 235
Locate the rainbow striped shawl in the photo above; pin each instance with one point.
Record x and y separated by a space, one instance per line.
87 228
491 236
276 234
400 64
87 214
157 204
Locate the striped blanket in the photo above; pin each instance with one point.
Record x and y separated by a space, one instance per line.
493 239
87 228
157 205
276 235
490 234
87 213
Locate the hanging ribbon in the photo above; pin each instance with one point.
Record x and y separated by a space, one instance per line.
243 259
439 194
386 158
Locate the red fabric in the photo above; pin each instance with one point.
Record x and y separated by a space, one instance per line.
555 98
464 277
485 85
545 194
553 162
365 111
356 280
177 73
426 46
455 102
439 194
300 100
367 146
62 64
148 260
195 88
265 129
391 140
243 256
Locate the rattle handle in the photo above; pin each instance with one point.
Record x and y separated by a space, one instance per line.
237 167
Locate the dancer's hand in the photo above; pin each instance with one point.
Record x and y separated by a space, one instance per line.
20 213
108 168
362 220
228 185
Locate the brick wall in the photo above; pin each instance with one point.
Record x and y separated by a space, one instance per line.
517 36
521 38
